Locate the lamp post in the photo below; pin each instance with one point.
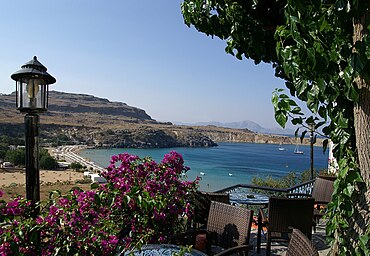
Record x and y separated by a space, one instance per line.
312 129
32 88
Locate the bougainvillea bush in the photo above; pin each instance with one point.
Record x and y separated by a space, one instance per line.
142 202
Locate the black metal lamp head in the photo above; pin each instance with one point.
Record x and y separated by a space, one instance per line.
32 87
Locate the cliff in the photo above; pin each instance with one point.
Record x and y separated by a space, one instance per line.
86 119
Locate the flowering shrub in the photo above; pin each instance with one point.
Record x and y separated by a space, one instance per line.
142 202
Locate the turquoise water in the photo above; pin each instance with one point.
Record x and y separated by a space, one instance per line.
242 160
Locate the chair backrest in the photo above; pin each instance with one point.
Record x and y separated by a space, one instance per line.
203 202
299 244
286 213
218 197
323 190
230 224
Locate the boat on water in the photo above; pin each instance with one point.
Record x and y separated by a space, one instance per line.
297 151
230 174
281 148
202 173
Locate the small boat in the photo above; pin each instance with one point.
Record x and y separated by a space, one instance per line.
230 174
297 151
202 173
281 148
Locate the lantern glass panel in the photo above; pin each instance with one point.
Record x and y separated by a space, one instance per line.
31 94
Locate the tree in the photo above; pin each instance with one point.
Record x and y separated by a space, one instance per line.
17 157
321 49
47 162
76 166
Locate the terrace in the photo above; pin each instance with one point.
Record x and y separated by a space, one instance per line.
254 197
139 195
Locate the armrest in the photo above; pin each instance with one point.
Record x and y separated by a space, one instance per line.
264 218
236 249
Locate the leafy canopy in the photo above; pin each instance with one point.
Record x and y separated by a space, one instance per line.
310 45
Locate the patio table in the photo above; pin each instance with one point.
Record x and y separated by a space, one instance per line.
163 250
249 198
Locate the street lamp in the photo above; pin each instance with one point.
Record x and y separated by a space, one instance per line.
312 129
32 88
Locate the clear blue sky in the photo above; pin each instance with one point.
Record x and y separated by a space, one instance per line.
137 52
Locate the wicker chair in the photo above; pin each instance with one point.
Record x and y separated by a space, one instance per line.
227 233
299 244
322 192
284 214
203 203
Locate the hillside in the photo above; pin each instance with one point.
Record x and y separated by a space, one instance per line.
80 118
247 124
77 109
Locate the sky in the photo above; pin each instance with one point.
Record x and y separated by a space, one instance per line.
138 52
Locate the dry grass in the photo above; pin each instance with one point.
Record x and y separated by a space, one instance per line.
16 189
12 182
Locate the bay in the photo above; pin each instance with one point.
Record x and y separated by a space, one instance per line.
229 163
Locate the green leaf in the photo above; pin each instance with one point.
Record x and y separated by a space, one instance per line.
321 84
54 194
353 94
94 186
128 199
283 96
292 103
325 145
284 105
319 124
349 190
297 111
326 129
310 120
281 118
296 132
322 112
342 121
358 63
34 237
275 99
364 243
97 199
303 134
354 177
301 86
297 120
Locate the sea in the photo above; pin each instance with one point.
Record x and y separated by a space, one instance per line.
229 163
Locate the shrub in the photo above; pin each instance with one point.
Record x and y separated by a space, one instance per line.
47 162
76 166
143 202
17 157
289 180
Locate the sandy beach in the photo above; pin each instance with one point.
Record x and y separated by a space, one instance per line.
17 176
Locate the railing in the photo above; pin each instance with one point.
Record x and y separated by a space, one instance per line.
303 188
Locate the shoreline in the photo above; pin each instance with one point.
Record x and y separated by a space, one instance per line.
70 154
17 176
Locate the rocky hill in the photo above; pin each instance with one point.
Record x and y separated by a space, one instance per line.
80 118
77 109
